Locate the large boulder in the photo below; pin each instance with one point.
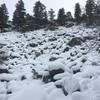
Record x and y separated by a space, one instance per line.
54 68
70 85
75 41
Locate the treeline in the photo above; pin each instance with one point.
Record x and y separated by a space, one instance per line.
42 18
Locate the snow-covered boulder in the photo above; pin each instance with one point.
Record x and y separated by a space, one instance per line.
57 94
56 68
56 65
70 85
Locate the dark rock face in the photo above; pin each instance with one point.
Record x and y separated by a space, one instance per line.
75 41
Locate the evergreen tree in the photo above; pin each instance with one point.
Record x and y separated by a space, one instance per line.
3 17
51 15
19 16
69 16
90 9
61 16
29 23
84 18
77 13
40 13
97 12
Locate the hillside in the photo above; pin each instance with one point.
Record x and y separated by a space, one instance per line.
42 65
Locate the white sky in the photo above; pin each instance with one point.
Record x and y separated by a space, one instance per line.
55 4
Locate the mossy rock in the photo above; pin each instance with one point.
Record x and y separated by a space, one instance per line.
75 41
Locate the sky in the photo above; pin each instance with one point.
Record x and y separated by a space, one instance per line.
55 4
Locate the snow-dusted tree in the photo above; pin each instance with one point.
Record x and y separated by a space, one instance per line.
84 18
77 13
69 16
19 16
61 16
29 24
90 9
97 12
3 17
40 13
51 15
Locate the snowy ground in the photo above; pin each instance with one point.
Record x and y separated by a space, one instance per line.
35 50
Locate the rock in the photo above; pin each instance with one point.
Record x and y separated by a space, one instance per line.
3 57
84 60
76 71
66 49
23 77
73 54
37 54
53 39
55 72
69 25
33 45
71 85
75 41
53 59
3 71
54 69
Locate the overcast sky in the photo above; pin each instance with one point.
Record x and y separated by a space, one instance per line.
55 4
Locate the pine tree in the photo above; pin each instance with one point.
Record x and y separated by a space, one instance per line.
29 25
84 18
3 17
40 13
69 16
61 16
77 14
90 9
19 16
97 12
51 15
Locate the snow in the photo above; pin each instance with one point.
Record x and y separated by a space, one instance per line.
23 59
57 94
56 65
33 91
71 85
